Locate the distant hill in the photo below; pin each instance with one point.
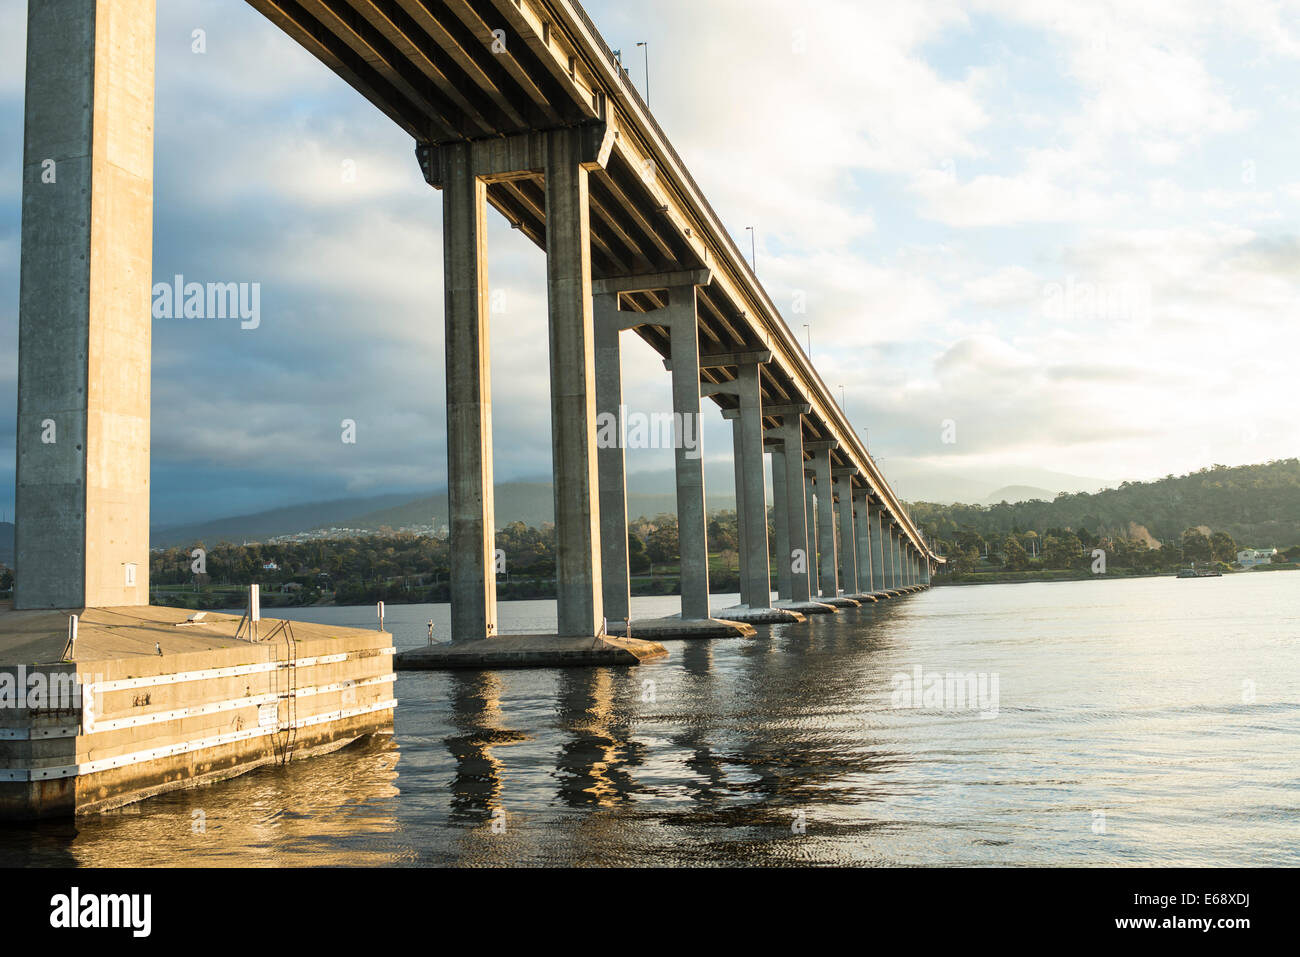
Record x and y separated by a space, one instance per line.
279 521
532 503
1258 505
1019 493
7 544
529 502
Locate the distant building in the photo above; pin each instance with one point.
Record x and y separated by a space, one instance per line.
270 567
1249 557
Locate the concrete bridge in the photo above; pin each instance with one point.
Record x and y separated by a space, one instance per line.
516 104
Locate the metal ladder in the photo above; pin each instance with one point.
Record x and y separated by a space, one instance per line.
285 736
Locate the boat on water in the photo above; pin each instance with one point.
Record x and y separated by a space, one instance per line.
1195 572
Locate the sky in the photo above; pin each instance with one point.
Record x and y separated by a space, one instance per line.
1031 238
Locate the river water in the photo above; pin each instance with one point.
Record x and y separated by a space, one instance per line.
1140 722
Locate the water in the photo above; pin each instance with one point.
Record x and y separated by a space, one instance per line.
1170 707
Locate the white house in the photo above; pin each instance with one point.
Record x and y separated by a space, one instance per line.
1249 557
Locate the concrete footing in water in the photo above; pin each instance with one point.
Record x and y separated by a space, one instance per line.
807 607
529 651
759 616
840 601
676 628
865 599
150 700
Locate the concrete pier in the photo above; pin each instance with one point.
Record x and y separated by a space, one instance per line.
828 573
530 651
692 515
150 702
814 539
469 398
781 524
84 322
610 322
848 545
752 517
573 385
875 520
798 559
742 539
862 542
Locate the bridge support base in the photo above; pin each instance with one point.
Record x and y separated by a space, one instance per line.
529 651
676 627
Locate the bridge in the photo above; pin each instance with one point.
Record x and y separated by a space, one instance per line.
515 104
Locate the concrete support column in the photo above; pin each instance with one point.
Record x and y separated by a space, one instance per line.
878 577
751 490
469 399
84 334
738 466
611 456
828 572
781 524
862 542
573 386
848 536
891 577
810 512
898 556
692 525
796 559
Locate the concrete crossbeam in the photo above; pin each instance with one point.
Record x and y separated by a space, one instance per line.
656 282
520 155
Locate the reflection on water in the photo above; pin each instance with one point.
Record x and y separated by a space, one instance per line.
1139 722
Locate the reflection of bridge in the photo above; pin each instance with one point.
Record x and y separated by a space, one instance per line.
514 103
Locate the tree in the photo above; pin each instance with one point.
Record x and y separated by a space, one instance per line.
1223 548
662 543
1063 550
723 534
6 579
1015 556
1196 546
637 559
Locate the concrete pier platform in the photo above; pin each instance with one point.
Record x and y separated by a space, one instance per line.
674 628
840 601
759 616
150 701
865 599
808 607
529 651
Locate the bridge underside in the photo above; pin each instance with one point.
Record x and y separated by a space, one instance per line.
514 104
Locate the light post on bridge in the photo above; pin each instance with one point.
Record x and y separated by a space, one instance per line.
645 44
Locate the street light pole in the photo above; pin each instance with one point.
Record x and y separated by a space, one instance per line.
646 45
753 250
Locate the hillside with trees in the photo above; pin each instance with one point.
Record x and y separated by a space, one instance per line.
1258 505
